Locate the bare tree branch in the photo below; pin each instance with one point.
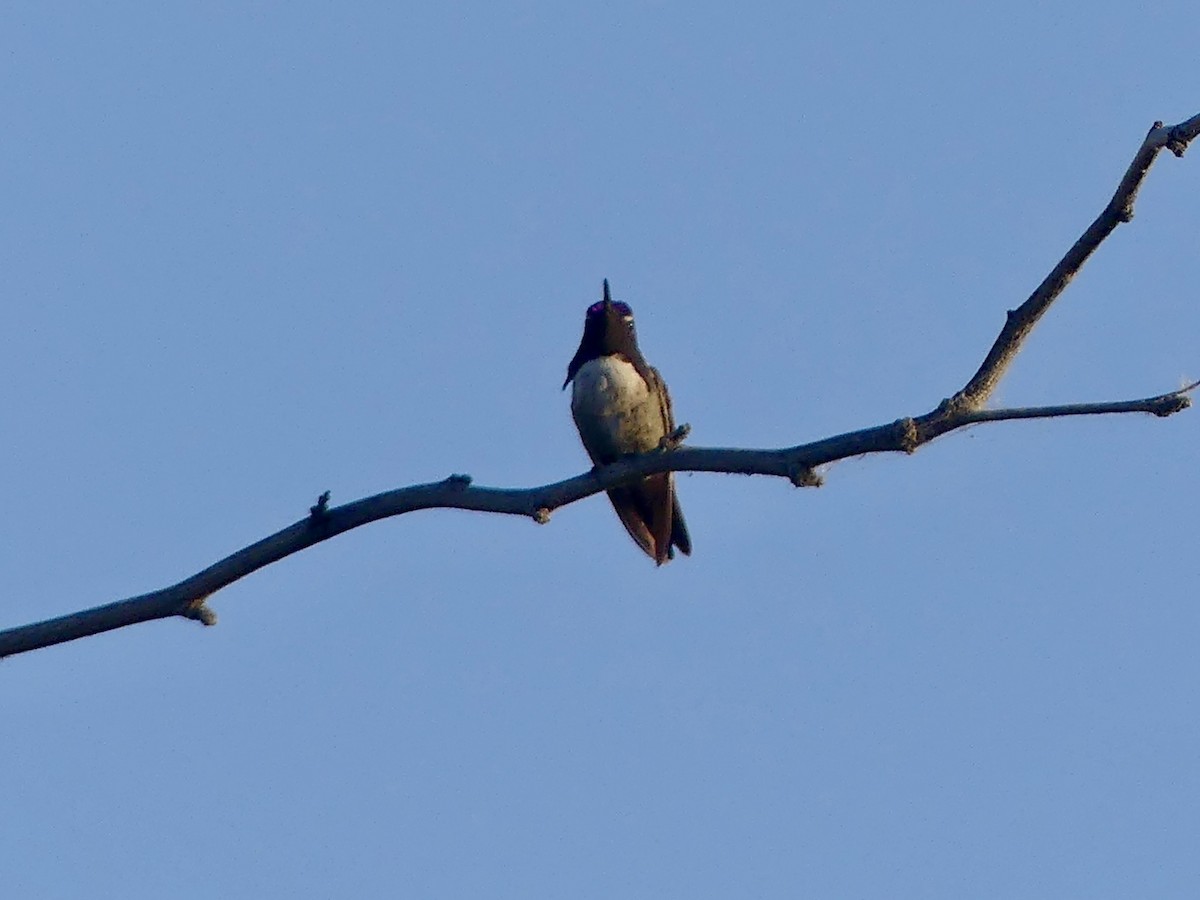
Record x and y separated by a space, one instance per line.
1119 209
797 464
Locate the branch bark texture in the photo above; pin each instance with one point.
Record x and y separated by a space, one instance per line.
798 464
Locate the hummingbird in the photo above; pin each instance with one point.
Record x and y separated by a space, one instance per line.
621 406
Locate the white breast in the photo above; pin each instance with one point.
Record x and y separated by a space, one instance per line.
615 410
607 386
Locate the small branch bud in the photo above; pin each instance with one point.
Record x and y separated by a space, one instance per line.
804 476
200 612
321 509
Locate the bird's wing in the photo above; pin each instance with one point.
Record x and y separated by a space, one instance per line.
676 531
659 389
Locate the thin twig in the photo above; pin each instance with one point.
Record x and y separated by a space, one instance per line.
1021 320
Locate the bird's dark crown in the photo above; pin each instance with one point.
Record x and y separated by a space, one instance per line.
602 306
607 330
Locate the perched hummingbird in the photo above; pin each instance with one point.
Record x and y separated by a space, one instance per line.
621 406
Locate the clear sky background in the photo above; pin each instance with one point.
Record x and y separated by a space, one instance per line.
251 252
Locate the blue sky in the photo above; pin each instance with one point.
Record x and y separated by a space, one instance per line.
253 252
